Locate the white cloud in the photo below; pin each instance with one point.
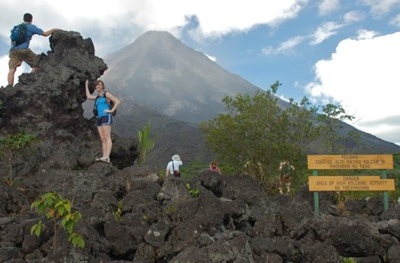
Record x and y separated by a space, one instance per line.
327 6
322 33
353 16
362 75
366 34
285 47
215 18
379 8
395 21
325 31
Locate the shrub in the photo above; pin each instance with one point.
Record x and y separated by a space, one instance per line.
59 210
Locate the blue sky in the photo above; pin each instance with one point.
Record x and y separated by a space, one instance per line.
340 51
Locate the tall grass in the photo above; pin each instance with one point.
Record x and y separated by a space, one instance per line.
146 143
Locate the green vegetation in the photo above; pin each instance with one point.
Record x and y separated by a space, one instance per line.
59 210
193 168
118 212
331 123
188 170
395 173
146 143
12 145
256 134
146 218
170 209
194 192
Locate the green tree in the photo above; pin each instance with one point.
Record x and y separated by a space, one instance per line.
59 210
256 132
302 130
331 122
146 143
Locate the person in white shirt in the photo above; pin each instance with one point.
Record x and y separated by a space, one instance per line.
173 166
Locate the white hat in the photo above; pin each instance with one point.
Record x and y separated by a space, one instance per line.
176 158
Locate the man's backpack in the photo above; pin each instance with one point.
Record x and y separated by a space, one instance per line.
111 105
18 34
176 172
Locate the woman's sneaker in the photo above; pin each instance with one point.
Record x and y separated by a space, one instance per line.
105 159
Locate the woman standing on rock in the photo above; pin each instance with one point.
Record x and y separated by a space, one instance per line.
104 116
214 167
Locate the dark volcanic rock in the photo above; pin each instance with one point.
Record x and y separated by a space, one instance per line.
130 216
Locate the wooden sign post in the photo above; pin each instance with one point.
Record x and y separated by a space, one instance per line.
350 183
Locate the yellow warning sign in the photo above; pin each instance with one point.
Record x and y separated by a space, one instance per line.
350 183
328 162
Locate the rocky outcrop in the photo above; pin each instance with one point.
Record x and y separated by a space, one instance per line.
131 215
48 104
